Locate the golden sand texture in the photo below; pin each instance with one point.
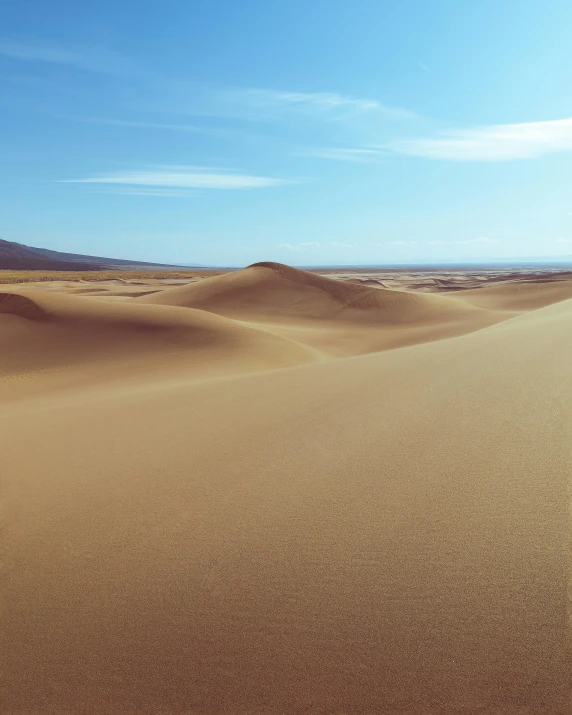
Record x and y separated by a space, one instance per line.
268 493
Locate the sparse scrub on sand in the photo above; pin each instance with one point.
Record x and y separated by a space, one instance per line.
9 276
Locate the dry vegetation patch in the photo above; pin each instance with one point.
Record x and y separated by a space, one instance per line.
9 276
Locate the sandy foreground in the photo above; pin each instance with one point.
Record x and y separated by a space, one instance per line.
272 491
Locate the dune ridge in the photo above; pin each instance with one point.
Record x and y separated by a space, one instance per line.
21 306
272 290
49 338
518 296
282 506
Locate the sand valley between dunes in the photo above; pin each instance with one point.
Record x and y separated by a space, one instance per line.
273 491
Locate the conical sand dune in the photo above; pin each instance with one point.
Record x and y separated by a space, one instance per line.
336 318
267 291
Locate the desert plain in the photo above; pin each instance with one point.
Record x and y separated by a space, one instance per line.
276 491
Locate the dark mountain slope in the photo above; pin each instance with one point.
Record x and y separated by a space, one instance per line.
17 256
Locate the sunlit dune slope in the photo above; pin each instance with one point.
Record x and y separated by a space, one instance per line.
388 533
517 295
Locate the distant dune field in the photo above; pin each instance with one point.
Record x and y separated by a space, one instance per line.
274 491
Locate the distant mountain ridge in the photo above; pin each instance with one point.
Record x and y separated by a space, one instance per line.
17 256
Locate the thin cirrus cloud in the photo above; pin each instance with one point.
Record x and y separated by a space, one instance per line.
267 103
496 142
179 177
361 156
135 124
299 246
165 193
468 241
314 244
90 58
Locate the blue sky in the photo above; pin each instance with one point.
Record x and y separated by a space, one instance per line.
303 131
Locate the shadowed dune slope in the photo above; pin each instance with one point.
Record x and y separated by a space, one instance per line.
40 330
388 533
271 291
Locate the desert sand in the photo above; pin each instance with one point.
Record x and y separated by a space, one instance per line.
273 491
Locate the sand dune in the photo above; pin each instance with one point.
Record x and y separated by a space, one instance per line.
333 317
518 295
56 339
267 291
388 532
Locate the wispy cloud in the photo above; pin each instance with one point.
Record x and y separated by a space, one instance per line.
479 239
313 244
361 156
423 66
183 178
271 103
460 242
130 123
164 193
497 142
83 57
298 246
564 240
